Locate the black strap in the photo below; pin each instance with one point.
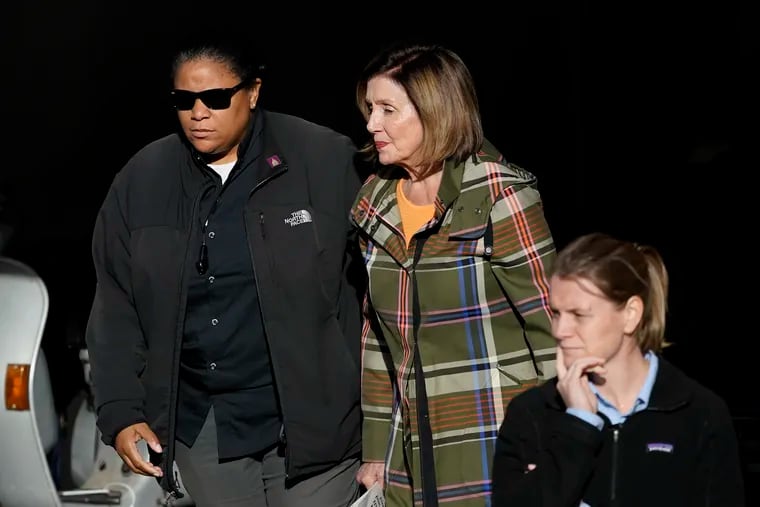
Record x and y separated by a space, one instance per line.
429 487
488 240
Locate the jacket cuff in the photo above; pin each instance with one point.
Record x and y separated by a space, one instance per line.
117 415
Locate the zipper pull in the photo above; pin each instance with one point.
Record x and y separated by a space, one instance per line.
261 223
202 264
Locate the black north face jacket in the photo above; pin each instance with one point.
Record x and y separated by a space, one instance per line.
308 282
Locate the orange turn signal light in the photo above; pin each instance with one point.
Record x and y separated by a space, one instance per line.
17 387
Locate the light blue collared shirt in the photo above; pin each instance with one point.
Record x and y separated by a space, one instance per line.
608 409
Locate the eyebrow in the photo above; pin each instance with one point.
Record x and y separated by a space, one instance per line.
382 101
574 309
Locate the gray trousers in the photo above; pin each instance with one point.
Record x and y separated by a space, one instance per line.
257 481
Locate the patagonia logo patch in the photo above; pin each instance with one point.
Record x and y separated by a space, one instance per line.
274 161
660 447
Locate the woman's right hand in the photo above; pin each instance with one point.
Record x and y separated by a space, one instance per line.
573 381
371 472
126 446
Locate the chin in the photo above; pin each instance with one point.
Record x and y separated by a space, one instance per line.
386 160
203 147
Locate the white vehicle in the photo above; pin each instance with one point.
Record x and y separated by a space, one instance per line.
30 429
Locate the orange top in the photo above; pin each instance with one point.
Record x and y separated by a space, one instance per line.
413 216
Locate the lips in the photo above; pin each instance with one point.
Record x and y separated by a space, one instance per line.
380 145
201 133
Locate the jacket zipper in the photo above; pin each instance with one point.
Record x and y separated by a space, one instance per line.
171 476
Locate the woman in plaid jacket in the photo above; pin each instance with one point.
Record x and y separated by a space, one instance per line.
457 250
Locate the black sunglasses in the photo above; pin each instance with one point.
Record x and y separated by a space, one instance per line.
215 98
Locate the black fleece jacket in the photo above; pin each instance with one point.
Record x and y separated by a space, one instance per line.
680 451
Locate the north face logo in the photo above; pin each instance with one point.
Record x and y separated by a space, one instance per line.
298 217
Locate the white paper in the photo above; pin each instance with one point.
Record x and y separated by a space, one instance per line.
372 498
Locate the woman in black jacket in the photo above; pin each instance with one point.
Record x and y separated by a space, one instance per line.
225 328
619 425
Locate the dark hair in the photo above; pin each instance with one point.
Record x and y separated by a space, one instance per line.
620 270
238 58
442 90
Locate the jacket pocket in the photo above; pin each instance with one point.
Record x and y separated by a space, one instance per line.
305 250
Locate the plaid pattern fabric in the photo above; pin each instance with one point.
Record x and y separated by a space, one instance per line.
475 354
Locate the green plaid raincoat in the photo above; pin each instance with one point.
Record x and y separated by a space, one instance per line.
476 351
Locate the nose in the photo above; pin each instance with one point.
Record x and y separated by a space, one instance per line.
199 110
373 122
562 327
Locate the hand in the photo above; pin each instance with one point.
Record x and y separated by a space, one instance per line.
125 445
370 473
573 381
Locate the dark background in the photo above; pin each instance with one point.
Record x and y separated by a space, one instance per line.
638 123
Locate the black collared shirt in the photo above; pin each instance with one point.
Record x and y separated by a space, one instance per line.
225 358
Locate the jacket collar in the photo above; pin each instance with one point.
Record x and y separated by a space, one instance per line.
259 148
672 389
272 160
465 212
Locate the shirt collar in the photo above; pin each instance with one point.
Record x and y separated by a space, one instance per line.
646 389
